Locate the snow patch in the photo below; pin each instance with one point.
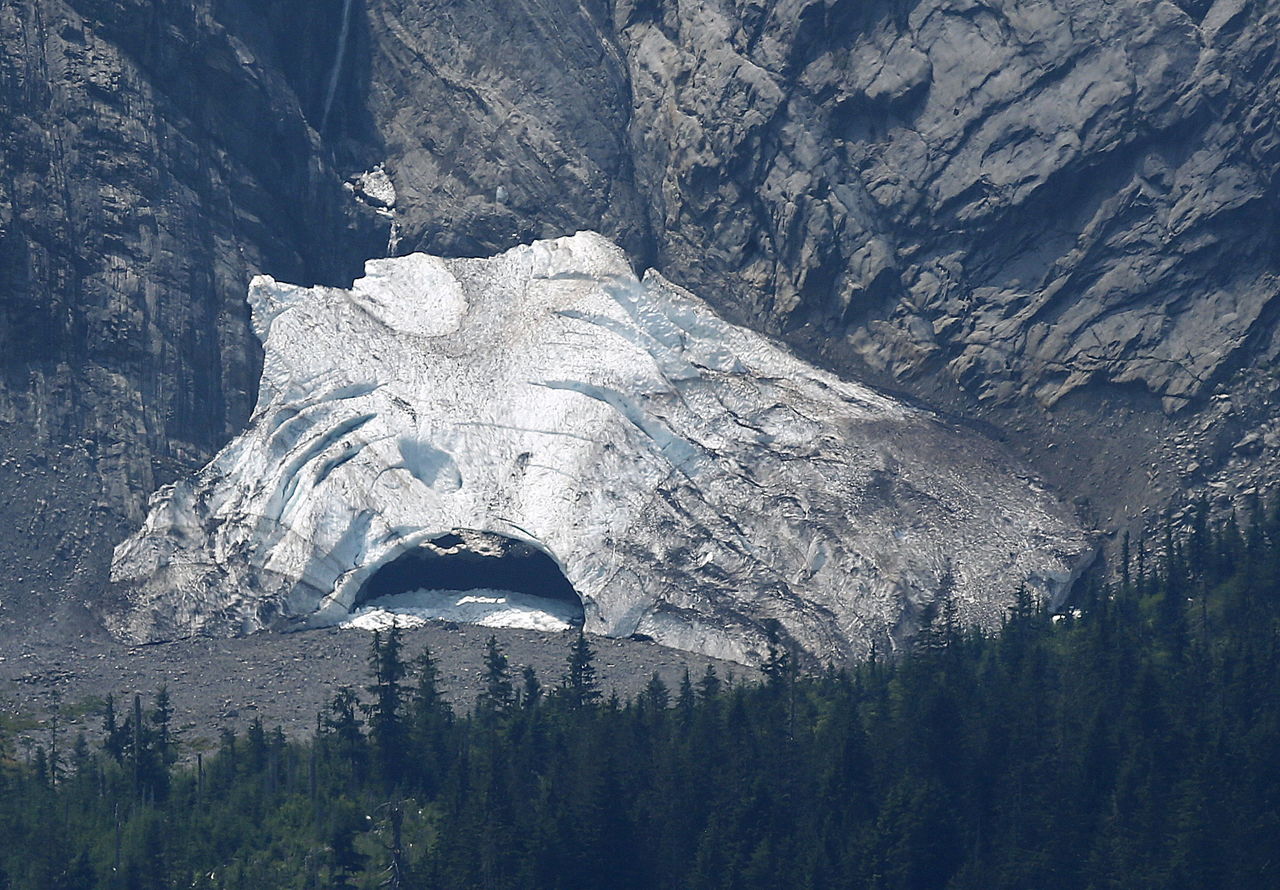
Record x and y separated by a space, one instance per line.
487 608
412 295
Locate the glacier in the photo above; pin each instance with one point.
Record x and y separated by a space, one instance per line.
692 481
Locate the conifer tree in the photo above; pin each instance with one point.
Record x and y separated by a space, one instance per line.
255 745
1125 557
428 720
709 686
581 688
531 687
345 859
656 694
387 731
139 749
777 665
113 737
427 705
498 696
1075 754
427 699
685 699
228 759
164 754
40 766
343 726
81 758
55 754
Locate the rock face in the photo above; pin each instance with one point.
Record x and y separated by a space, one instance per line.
695 482
1027 197
1058 217
152 156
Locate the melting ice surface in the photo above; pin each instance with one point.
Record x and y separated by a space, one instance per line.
693 481
488 608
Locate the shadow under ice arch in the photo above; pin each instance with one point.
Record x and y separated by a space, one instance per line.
458 561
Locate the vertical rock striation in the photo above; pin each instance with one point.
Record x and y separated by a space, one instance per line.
151 158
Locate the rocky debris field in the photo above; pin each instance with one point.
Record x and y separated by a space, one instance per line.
286 679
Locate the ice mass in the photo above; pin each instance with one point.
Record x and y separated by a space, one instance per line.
684 478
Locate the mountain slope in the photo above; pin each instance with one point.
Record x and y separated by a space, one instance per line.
1056 219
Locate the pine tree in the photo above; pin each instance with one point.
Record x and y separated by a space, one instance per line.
1125 558
162 751
343 726
78 874
428 720
345 859
777 665
387 731
1077 754
499 695
1172 604
685 700
81 758
656 694
114 739
40 767
55 752
580 686
139 751
531 688
709 685
427 704
255 745
276 749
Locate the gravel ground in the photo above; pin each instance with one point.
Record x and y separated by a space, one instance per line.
286 679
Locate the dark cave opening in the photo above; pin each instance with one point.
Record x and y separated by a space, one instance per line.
468 560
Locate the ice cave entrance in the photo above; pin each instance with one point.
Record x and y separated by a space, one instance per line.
471 577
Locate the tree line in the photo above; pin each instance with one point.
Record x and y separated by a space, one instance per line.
1128 743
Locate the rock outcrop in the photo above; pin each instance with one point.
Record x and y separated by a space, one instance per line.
1028 197
152 157
695 482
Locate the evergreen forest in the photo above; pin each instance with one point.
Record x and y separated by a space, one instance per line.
1133 742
